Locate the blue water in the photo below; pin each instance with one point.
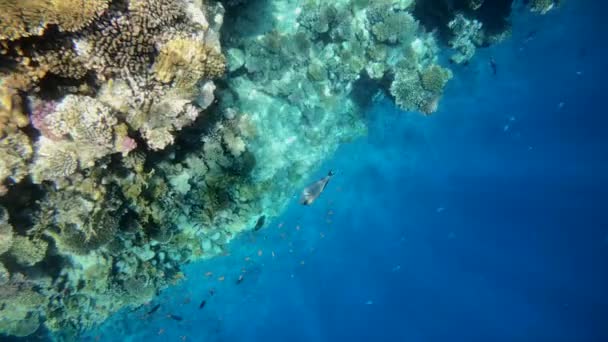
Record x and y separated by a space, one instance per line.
484 222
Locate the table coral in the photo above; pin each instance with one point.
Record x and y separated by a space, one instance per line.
20 18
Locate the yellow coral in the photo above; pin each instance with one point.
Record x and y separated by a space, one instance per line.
11 109
186 61
24 18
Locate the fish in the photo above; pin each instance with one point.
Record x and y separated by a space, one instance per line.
202 305
260 223
240 280
175 317
494 66
153 310
314 190
211 292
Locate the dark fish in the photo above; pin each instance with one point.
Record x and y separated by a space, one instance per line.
314 190
260 223
494 66
153 310
211 292
202 305
240 280
137 308
175 317
530 36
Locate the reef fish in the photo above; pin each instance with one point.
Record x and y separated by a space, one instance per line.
175 317
314 190
153 310
202 304
260 223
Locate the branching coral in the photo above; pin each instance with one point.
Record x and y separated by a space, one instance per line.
466 34
542 6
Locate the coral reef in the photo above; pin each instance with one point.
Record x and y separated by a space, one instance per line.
135 139
543 6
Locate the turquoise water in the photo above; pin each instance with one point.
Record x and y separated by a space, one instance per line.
483 222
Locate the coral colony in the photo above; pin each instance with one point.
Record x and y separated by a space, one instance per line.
135 138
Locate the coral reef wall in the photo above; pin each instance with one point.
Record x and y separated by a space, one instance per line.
140 135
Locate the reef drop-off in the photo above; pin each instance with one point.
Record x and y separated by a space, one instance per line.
137 136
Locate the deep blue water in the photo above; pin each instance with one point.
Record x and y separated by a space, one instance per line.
484 222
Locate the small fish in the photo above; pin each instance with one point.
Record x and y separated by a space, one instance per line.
369 302
530 36
153 310
240 280
175 317
440 209
396 268
211 292
494 66
202 305
260 223
314 190
221 278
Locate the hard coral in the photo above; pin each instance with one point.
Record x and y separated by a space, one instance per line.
420 90
20 18
80 131
467 34
186 61
542 6
28 251
6 232
15 152
20 306
395 27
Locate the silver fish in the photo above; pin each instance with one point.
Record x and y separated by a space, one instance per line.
314 190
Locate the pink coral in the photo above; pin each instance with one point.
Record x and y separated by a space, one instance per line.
126 144
42 109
